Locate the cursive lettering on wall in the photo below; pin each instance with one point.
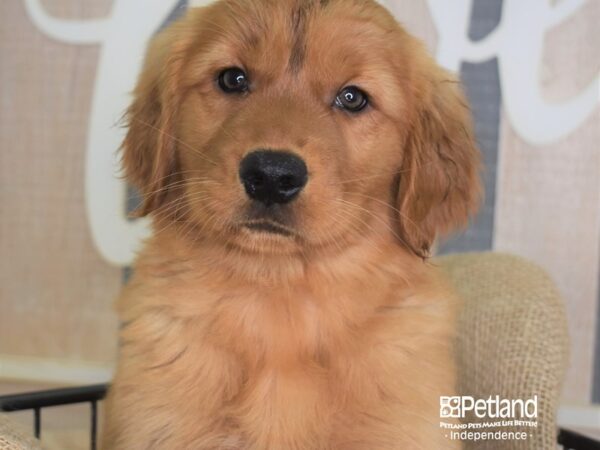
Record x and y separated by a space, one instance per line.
517 43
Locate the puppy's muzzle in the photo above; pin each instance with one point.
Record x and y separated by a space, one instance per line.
273 177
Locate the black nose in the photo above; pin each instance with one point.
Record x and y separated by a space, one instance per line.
273 176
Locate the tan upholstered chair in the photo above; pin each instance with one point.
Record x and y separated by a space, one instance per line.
512 341
512 338
13 437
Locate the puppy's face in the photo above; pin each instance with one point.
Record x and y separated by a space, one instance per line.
293 125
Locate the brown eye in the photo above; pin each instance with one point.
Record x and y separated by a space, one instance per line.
352 99
233 80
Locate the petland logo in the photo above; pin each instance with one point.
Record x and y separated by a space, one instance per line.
494 418
492 408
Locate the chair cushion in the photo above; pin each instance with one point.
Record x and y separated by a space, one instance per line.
512 338
12 437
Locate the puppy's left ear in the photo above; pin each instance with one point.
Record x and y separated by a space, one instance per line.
439 185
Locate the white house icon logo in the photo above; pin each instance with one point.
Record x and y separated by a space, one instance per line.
450 407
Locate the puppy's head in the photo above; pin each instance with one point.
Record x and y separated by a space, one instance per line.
294 125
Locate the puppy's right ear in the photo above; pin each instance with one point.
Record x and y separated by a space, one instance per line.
148 151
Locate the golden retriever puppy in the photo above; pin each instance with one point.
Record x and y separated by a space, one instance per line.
298 159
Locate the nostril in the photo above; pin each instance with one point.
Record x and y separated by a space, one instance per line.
288 182
256 179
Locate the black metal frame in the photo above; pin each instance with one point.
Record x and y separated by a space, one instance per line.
36 401
572 440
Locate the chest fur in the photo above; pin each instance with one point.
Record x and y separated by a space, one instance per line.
281 364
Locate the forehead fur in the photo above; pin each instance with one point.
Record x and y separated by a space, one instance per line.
274 25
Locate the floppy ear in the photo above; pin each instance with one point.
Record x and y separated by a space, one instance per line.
148 151
439 180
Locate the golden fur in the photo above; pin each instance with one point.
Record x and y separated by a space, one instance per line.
340 335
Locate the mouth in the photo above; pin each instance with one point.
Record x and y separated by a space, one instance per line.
270 227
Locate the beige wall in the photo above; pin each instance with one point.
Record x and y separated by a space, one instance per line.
55 291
